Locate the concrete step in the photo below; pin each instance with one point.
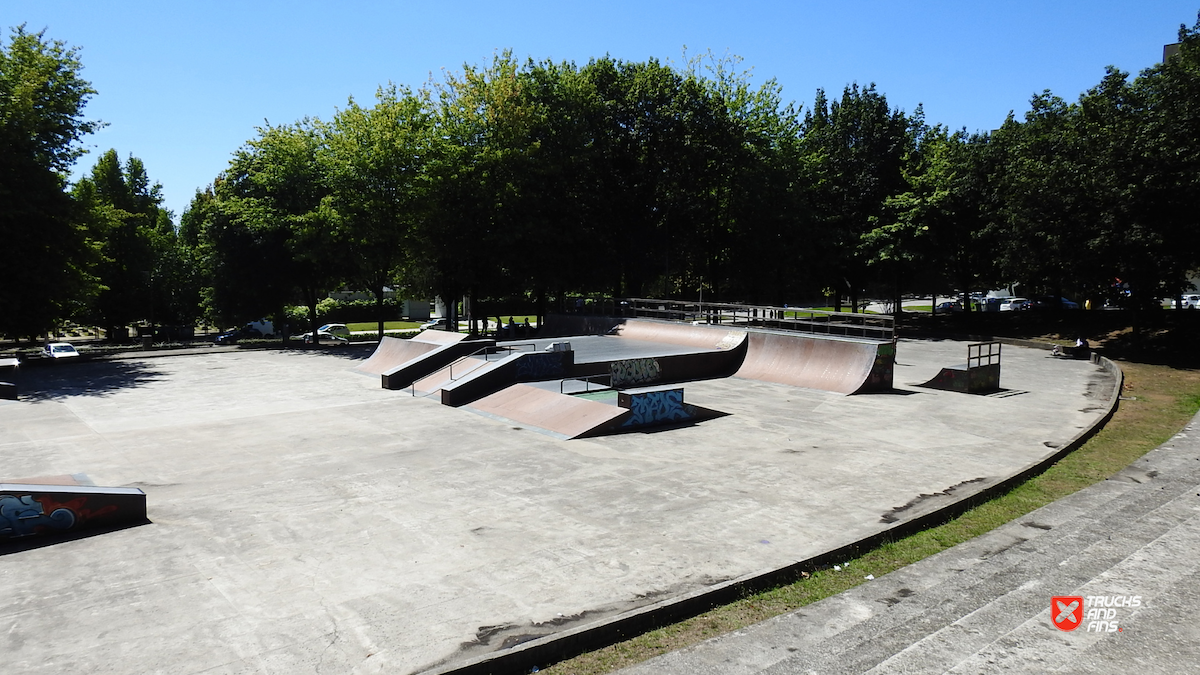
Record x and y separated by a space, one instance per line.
984 605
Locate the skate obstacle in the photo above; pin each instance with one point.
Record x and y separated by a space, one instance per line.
979 375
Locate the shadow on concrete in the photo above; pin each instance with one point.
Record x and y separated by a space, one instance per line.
95 378
355 351
892 392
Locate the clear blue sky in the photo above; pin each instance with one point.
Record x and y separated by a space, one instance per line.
183 84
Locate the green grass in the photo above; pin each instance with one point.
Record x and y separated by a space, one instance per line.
413 325
387 326
1161 400
803 314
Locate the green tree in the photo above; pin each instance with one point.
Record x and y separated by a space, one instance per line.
137 244
931 237
1170 161
378 185
855 150
48 252
271 198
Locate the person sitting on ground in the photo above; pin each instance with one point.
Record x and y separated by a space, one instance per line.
1079 351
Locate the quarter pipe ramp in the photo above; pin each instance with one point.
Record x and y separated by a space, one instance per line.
392 352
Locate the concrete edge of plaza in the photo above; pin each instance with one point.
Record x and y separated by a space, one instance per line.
522 658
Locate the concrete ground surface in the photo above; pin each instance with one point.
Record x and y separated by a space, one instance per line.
985 606
306 520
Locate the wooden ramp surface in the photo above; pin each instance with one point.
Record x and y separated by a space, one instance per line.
393 352
562 414
841 366
440 378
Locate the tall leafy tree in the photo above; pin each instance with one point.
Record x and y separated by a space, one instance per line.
855 151
138 241
1170 168
42 97
271 195
378 185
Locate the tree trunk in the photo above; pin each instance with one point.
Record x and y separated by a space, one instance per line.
379 317
310 299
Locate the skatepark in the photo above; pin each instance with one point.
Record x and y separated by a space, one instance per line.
304 516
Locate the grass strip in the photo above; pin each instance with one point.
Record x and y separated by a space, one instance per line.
1157 402
387 325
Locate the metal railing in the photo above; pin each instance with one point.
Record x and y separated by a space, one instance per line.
587 381
983 354
816 321
486 351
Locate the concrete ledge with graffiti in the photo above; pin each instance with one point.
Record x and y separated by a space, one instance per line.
650 407
40 510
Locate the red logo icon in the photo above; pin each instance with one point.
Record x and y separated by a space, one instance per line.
1066 611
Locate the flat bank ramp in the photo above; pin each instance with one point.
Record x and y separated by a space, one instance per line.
433 382
392 352
838 365
568 416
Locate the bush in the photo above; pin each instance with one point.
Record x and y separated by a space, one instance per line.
343 311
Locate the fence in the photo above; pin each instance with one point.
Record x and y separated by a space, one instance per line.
816 321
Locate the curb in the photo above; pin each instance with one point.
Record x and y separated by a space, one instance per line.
556 647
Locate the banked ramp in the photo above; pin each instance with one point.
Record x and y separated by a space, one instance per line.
572 416
842 365
830 363
560 414
393 352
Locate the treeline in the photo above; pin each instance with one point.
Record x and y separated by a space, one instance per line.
536 181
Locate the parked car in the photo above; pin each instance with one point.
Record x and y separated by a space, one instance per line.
265 328
324 337
59 350
947 307
436 324
335 333
1189 302
1048 302
1012 304
335 329
231 337
330 332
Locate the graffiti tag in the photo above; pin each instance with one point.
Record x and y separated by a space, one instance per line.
22 516
532 367
654 407
634 371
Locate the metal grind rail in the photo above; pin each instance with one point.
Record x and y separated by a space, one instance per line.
587 381
814 321
486 351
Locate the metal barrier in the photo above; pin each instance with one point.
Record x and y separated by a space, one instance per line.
850 324
587 381
486 351
983 354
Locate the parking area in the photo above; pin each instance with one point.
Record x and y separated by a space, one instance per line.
304 519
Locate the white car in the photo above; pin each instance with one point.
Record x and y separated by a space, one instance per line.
330 332
60 350
1189 302
1012 304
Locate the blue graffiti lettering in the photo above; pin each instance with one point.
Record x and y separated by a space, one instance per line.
21 516
655 407
532 367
